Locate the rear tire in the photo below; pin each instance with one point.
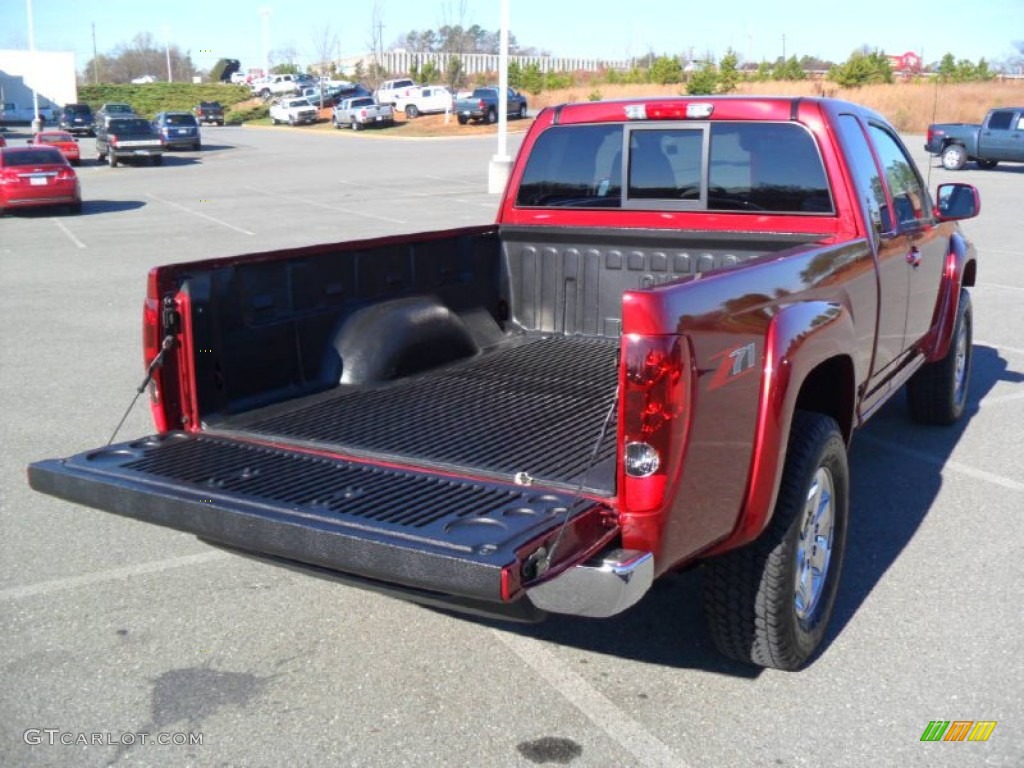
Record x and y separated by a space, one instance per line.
937 393
954 157
492 116
158 159
522 111
411 112
112 160
987 165
463 119
769 602
75 208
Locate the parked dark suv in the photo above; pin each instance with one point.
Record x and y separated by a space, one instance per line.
210 112
78 118
178 130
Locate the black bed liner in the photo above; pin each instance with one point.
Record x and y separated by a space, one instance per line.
425 531
536 406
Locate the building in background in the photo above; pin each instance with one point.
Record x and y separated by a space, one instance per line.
50 73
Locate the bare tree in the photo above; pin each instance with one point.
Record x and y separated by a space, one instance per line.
376 73
325 45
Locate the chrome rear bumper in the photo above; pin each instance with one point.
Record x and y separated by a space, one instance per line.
602 587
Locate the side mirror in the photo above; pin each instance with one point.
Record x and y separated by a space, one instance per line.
957 201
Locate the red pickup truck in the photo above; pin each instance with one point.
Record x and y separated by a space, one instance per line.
655 358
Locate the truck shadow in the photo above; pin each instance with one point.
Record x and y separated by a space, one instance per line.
667 627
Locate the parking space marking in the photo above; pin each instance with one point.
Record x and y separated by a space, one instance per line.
944 464
390 191
1000 287
66 231
328 206
115 574
200 215
998 347
598 708
990 401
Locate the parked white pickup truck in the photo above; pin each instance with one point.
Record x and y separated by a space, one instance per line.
424 100
362 111
279 85
294 111
390 91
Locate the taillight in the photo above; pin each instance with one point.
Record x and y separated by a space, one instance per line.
655 386
65 174
8 176
112 139
483 104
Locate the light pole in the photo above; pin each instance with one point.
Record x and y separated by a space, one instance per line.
167 48
501 163
265 15
37 120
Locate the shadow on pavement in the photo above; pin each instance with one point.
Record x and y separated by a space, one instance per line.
891 494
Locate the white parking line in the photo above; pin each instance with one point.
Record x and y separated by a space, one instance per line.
998 347
66 231
647 748
990 401
1000 287
115 574
328 206
200 215
946 464
644 745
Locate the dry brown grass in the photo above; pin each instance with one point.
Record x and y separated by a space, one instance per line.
909 106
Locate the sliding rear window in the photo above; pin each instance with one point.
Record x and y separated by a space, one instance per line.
726 166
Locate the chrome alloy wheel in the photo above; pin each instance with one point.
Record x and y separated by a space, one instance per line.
814 547
960 369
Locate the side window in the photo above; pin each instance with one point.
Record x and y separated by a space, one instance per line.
909 199
1000 121
575 166
766 167
1020 123
870 192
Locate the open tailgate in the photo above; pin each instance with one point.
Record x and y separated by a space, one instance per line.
423 531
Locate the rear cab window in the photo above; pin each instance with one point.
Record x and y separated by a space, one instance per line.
716 166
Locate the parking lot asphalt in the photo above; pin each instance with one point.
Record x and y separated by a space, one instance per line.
113 629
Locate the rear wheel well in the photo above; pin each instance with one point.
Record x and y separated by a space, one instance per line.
829 389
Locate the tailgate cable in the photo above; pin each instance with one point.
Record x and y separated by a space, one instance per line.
542 559
165 347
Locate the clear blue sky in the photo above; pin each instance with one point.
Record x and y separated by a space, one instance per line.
756 29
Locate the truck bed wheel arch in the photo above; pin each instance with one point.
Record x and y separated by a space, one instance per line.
807 351
395 338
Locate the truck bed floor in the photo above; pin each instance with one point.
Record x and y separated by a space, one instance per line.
536 407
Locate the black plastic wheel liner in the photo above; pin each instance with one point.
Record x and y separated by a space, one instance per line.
537 408
448 535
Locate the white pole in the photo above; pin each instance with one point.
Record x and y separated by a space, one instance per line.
265 14
501 163
503 83
167 48
37 123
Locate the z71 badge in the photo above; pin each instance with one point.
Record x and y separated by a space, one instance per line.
733 363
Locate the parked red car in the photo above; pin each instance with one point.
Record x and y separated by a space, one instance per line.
62 140
37 175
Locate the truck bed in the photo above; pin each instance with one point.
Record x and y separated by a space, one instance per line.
535 405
